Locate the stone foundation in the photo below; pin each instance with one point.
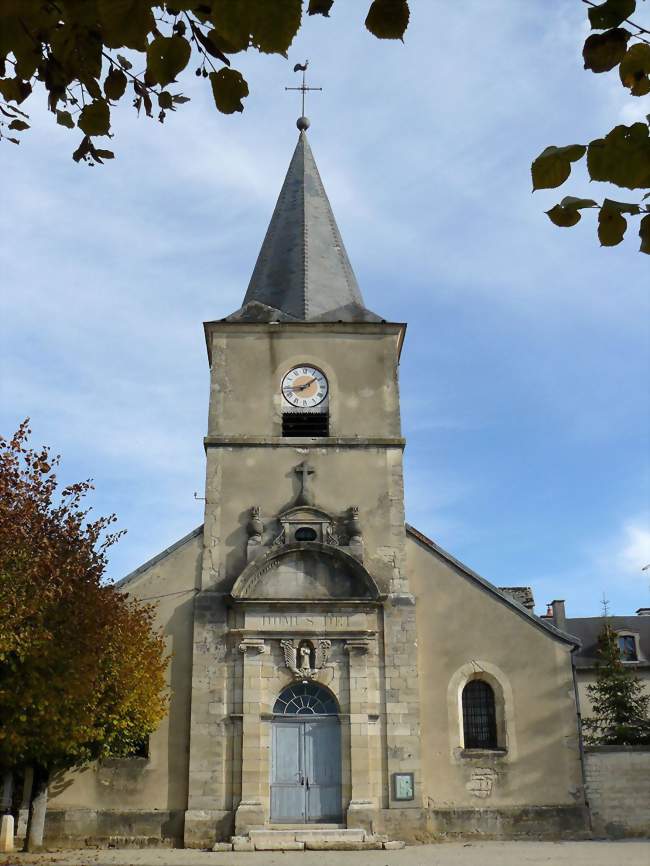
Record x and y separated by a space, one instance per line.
538 822
78 828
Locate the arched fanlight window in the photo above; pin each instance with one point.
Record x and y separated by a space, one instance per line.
305 699
479 716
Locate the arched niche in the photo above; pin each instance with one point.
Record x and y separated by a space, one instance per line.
308 571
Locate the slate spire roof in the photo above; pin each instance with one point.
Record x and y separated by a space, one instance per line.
303 272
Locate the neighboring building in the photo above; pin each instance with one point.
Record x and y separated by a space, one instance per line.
633 633
329 664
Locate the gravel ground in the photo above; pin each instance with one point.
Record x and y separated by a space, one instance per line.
627 853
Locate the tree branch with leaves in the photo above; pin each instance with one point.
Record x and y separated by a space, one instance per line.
82 667
83 55
622 156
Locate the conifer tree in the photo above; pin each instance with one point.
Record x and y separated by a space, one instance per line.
620 706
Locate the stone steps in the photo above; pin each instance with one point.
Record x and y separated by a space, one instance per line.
299 838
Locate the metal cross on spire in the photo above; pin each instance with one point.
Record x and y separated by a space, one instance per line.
303 122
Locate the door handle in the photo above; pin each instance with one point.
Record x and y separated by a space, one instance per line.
307 782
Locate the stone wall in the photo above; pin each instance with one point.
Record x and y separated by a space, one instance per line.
618 790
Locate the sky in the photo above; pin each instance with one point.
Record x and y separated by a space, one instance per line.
524 375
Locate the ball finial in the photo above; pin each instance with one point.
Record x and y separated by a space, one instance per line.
302 123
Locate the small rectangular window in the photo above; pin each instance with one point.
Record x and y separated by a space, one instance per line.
627 648
305 424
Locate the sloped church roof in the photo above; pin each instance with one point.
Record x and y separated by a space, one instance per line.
303 272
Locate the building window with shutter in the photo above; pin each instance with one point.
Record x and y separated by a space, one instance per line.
479 716
627 648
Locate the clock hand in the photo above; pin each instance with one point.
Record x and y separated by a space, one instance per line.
299 387
305 385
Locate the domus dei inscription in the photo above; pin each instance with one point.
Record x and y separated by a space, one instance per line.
316 622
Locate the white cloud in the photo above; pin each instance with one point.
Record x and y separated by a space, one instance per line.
634 547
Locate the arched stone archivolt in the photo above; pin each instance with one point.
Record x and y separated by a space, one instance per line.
477 669
306 570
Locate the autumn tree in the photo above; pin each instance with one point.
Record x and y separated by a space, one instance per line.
622 156
82 671
619 704
84 57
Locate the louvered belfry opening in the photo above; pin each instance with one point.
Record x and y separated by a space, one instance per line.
305 424
479 716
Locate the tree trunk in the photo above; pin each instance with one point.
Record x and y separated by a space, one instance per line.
36 825
7 792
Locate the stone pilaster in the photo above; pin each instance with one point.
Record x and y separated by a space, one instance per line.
209 812
360 802
402 695
250 812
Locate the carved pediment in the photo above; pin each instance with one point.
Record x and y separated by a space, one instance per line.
307 571
307 513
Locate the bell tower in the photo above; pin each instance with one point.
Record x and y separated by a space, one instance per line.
304 582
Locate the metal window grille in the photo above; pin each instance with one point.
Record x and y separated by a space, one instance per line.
305 424
479 716
305 699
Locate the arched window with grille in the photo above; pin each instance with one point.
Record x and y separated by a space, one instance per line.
305 699
479 716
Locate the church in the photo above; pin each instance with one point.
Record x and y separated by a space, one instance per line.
331 668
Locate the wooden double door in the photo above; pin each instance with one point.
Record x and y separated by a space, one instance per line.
306 770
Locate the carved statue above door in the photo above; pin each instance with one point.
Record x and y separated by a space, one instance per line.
305 658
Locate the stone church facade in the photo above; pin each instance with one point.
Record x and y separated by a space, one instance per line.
329 664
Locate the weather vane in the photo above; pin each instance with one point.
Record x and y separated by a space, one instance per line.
303 122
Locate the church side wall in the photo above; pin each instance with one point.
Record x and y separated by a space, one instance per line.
142 797
535 785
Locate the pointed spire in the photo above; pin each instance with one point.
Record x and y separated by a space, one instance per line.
303 272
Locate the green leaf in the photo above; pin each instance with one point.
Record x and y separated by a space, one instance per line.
165 100
622 206
388 19
64 118
166 57
115 84
95 118
622 157
611 13
269 27
83 149
92 87
644 234
103 154
604 51
228 89
570 201
19 125
14 89
125 23
553 166
209 45
563 216
635 69
124 63
320 7
611 226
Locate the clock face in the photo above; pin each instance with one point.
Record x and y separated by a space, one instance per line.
304 387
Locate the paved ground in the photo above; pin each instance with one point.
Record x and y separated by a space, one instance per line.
628 853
